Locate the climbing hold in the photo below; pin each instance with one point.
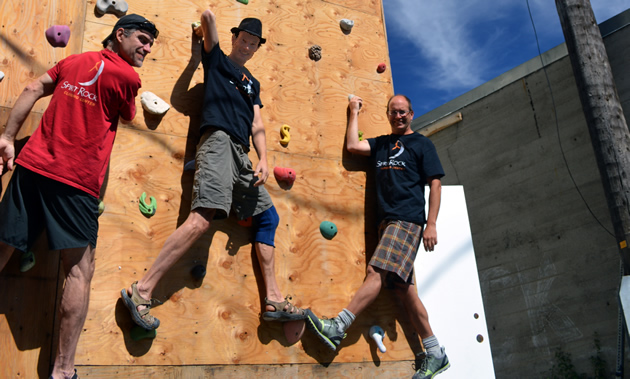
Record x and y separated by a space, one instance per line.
286 137
377 334
360 135
153 104
246 223
27 261
285 175
346 25
328 229
58 35
139 333
198 272
190 166
116 7
315 52
147 210
243 1
1 75
381 68
197 28
101 207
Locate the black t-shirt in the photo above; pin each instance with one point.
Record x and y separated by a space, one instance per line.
402 164
230 93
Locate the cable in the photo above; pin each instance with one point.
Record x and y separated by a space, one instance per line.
555 112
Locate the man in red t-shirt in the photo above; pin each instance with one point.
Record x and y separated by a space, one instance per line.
59 172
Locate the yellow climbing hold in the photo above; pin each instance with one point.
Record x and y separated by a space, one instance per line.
286 137
147 210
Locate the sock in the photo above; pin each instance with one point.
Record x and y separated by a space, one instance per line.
344 320
432 346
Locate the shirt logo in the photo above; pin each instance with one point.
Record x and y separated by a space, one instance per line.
398 146
98 73
391 163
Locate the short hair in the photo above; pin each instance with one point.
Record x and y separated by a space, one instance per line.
405 97
126 31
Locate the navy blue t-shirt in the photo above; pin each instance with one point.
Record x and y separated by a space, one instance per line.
230 93
402 164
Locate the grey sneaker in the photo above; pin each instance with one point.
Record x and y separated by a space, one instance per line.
431 366
325 330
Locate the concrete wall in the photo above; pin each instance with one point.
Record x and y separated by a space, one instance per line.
549 268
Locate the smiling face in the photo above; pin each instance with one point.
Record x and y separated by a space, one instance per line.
400 115
134 46
244 45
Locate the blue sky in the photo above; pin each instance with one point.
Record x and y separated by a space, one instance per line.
440 49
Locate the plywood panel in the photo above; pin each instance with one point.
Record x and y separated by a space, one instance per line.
25 54
217 321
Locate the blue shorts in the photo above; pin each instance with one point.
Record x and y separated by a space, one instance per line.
33 202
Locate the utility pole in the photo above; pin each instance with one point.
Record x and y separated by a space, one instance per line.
602 109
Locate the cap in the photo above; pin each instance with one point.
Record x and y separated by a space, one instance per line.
132 21
252 26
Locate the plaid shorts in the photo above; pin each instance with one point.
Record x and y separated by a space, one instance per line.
397 249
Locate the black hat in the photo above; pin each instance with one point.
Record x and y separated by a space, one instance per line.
132 21
252 26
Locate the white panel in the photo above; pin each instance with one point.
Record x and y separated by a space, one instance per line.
448 285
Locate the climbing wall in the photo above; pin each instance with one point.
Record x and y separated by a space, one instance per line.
216 320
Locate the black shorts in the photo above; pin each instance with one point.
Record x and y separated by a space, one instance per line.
33 202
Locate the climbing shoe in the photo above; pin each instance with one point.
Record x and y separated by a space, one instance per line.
326 330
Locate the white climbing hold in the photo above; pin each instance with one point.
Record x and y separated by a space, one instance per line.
1 75
377 334
350 97
153 104
346 24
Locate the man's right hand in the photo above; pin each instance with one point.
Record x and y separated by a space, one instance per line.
355 103
7 153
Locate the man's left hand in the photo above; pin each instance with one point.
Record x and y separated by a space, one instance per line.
262 172
429 237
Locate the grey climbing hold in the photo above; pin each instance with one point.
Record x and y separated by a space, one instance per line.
346 25
116 7
153 104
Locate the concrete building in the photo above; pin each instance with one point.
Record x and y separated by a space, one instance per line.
548 261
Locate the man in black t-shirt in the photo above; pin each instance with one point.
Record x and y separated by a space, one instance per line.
404 162
224 177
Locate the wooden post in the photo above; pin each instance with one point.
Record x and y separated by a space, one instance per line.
604 115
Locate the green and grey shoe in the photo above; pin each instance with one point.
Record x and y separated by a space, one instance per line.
325 330
431 366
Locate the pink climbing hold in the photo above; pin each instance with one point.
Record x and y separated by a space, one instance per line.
285 175
58 35
381 68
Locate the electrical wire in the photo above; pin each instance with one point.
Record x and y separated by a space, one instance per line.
555 112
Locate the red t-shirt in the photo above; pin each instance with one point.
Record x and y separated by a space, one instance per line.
75 137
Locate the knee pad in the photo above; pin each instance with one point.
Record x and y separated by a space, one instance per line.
266 224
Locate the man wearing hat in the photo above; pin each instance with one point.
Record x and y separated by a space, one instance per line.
224 178
58 175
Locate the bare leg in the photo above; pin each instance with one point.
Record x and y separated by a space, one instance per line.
5 254
178 243
368 291
266 260
78 265
415 309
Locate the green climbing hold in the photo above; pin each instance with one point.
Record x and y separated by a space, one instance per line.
27 261
101 207
139 333
243 1
328 229
360 135
147 210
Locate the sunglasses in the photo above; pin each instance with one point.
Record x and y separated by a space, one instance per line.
149 27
